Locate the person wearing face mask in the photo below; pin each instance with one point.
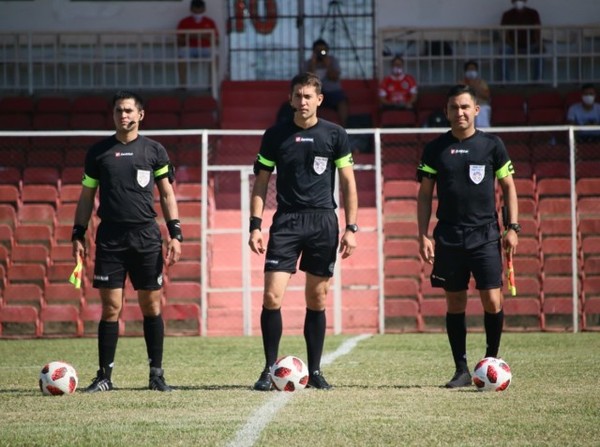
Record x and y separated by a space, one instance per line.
195 45
519 40
585 113
482 90
398 90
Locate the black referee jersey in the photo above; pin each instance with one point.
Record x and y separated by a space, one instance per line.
306 161
126 174
465 172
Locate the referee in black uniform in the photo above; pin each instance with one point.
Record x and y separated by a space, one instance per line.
125 167
306 152
465 164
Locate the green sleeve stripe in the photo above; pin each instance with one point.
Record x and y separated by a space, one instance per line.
345 161
161 171
264 161
89 181
423 167
506 170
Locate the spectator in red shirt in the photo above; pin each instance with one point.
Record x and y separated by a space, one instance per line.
522 41
195 45
398 90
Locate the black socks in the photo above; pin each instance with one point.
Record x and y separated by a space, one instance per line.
272 328
154 334
314 334
108 336
493 324
456 328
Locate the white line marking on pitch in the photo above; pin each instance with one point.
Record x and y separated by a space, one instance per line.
248 435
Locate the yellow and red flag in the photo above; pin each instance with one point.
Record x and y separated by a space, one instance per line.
75 277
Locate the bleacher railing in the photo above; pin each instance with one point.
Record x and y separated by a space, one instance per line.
435 56
557 265
33 61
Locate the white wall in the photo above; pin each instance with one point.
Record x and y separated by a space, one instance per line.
66 15
478 13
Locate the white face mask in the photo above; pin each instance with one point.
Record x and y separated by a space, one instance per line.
198 17
588 100
519 4
397 71
471 74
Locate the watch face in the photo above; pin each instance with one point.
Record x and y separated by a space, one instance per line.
515 227
352 227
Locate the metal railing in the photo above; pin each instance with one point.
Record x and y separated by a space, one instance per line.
32 62
435 56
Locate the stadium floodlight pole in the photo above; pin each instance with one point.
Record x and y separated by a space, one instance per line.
334 12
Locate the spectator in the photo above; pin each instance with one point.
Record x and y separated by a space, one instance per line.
473 79
191 45
522 41
398 90
584 113
327 68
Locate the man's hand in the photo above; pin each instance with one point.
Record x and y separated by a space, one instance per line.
173 251
426 249
256 242
347 244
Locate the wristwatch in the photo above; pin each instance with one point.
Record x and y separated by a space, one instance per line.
352 227
515 227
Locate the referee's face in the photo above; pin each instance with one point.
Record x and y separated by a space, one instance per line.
461 112
305 101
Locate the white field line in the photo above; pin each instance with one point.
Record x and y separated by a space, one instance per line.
249 433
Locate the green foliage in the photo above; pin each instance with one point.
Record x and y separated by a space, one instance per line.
387 393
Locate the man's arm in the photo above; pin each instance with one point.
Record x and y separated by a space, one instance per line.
83 212
257 206
350 194
168 204
509 192
424 200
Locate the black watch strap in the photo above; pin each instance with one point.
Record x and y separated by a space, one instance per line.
515 227
352 227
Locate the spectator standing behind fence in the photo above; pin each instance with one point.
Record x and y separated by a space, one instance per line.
585 113
191 45
327 68
398 90
473 79
522 41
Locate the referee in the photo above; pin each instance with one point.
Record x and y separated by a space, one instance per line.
306 153
465 164
125 167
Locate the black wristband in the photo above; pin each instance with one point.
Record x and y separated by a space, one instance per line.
174 227
78 233
255 223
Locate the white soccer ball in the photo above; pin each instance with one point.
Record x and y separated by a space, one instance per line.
492 374
58 378
289 373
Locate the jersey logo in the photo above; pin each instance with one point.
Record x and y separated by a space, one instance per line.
143 177
477 173
320 164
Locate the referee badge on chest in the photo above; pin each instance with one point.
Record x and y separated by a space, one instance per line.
143 177
320 164
476 173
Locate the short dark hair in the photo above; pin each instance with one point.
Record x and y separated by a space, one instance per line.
460 89
397 57
588 85
318 42
471 62
307 78
197 4
126 94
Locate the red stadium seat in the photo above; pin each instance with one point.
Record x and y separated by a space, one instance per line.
8 215
161 120
67 317
9 194
25 316
23 294
41 175
39 194
30 254
509 101
591 310
26 273
88 121
62 293
184 271
205 119
185 192
183 292
401 309
53 104
17 104
182 319
544 100
33 234
90 104
51 121
400 189
397 118
199 104
36 213
160 104
516 308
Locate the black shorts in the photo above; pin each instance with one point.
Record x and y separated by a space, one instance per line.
460 252
134 251
312 234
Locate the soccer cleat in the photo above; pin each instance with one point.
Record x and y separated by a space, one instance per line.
316 380
460 379
157 380
99 384
264 381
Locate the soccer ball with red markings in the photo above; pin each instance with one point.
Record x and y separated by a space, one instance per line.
58 378
289 373
492 374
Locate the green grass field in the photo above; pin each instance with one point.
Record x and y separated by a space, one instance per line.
387 393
